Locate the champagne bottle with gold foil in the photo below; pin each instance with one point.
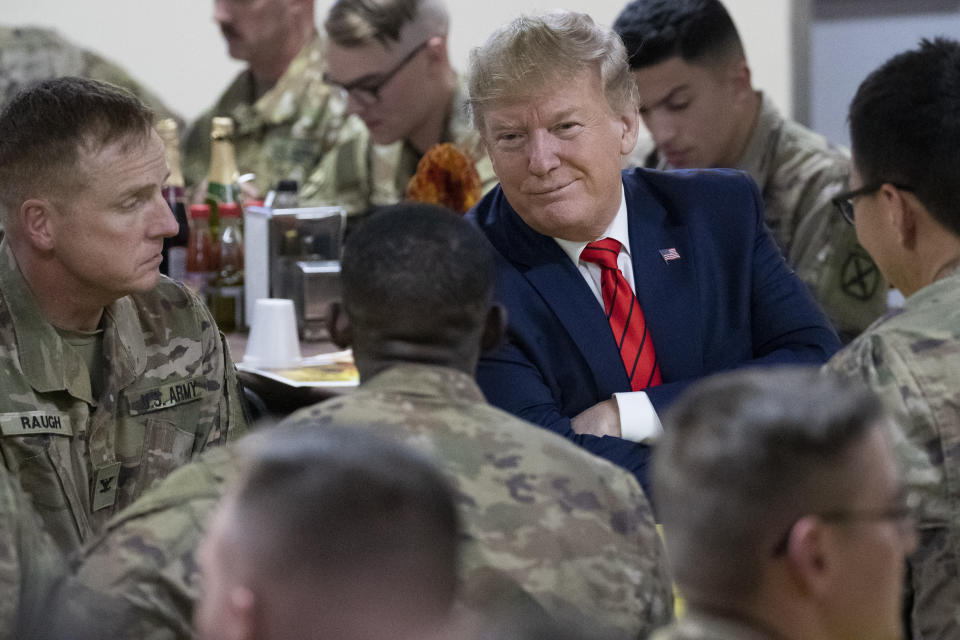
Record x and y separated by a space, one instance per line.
175 248
222 184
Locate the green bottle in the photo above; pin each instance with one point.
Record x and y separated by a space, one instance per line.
222 184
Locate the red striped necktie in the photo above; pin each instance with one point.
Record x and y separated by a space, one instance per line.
624 315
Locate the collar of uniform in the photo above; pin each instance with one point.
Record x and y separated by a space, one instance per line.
759 153
696 623
427 381
619 230
287 99
44 359
949 282
124 349
280 103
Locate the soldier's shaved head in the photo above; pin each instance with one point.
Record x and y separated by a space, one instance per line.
421 276
330 533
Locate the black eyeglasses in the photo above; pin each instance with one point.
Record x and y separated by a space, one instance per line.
901 514
844 201
366 89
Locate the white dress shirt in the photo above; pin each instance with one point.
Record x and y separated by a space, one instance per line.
638 419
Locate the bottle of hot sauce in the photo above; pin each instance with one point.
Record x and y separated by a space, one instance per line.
202 254
222 184
174 249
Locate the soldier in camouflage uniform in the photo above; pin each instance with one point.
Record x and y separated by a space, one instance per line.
111 378
906 186
698 103
390 59
573 531
783 509
288 123
29 562
31 54
541 516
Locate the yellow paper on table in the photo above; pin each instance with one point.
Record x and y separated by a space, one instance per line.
322 373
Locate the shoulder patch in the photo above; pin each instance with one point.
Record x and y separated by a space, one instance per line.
34 423
859 276
165 395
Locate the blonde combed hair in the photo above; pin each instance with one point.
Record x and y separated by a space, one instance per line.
534 51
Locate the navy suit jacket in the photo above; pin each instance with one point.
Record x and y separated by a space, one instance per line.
730 300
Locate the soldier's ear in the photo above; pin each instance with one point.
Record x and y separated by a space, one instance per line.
338 325
901 210
808 556
437 52
37 218
241 604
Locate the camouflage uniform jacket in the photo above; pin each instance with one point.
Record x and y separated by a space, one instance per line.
297 130
575 532
911 358
169 391
30 54
392 166
29 562
140 578
798 172
696 625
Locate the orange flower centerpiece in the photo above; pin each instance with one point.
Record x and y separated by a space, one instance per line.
446 176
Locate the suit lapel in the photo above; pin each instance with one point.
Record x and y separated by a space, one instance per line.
548 269
668 291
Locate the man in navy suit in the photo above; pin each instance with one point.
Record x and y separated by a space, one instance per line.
691 284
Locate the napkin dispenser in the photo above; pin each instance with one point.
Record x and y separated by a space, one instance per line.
295 254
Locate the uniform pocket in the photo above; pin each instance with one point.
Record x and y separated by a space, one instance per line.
148 450
41 466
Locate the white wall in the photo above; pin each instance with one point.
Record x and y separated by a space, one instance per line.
863 43
173 46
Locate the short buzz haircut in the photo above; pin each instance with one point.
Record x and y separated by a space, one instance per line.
695 30
354 23
44 127
323 504
905 126
420 273
742 457
537 51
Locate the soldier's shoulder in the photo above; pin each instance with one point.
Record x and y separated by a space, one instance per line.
169 517
805 152
170 303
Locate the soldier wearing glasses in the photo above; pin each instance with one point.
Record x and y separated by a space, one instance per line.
390 59
903 199
783 509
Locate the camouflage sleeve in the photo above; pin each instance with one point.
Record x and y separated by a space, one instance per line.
933 587
342 177
139 581
656 582
29 563
827 257
228 420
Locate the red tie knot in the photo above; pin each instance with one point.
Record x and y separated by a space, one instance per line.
602 252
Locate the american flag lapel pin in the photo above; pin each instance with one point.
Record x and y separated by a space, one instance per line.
669 254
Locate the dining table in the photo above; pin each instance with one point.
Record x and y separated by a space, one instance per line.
270 398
